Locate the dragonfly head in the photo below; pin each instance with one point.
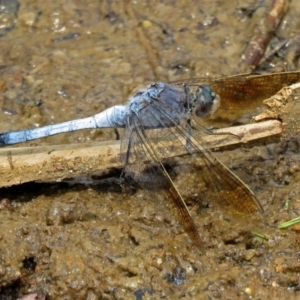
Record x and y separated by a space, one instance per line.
206 102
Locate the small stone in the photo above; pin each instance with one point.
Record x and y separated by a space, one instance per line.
147 24
249 254
248 291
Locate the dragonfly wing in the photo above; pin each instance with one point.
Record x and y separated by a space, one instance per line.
144 163
242 95
211 170
145 153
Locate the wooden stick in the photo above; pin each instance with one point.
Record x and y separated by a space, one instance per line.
54 163
263 33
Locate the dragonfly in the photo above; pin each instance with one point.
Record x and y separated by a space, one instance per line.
165 114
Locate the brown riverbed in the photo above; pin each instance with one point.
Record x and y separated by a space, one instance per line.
62 60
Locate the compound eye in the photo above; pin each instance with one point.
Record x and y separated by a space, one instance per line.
206 102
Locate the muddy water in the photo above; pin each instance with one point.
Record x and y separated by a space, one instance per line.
69 59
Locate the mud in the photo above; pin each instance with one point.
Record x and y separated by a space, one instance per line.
71 59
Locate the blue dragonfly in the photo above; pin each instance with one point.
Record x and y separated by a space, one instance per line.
168 112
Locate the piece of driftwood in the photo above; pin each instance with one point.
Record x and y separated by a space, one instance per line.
54 163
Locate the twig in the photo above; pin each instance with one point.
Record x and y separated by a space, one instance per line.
145 43
292 44
54 163
277 104
263 33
